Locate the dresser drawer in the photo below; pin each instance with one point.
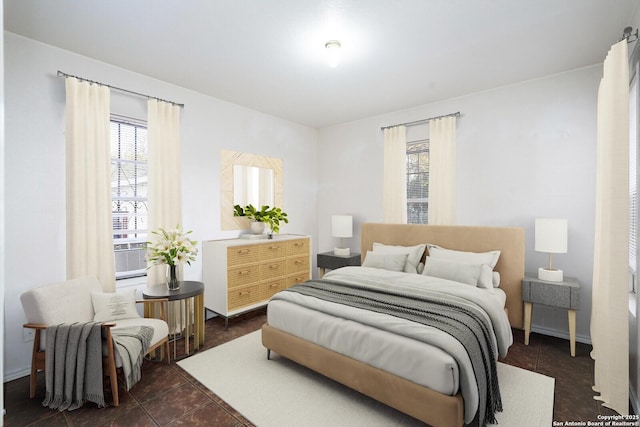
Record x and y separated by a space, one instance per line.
273 250
273 269
239 276
238 255
300 263
298 247
271 287
243 296
294 279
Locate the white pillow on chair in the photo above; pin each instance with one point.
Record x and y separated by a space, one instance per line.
110 306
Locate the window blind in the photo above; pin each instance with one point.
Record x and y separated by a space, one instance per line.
417 181
129 195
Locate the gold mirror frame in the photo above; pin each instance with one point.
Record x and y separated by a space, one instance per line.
227 160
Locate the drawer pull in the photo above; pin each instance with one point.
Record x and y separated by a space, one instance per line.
243 293
298 244
243 272
274 248
298 262
273 285
274 266
244 251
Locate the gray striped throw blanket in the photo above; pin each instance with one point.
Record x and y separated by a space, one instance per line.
465 322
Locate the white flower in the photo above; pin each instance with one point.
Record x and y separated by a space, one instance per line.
171 247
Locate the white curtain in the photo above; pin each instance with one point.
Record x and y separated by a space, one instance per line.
164 173
442 171
609 311
394 194
88 166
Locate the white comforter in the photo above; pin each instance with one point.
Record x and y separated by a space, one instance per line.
418 284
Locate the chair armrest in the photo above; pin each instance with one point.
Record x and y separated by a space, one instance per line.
34 326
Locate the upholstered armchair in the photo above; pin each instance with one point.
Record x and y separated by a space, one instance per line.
83 300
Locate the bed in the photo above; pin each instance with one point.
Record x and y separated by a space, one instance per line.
419 378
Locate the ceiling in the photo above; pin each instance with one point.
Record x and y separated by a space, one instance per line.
270 55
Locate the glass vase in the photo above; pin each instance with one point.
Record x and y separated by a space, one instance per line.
172 278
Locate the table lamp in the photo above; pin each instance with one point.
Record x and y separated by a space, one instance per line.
342 226
551 237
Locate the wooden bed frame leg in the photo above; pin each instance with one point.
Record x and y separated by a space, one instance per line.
268 354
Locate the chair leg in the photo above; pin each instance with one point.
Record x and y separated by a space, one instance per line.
34 364
111 368
32 381
113 380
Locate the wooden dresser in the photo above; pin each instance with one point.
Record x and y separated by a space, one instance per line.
241 275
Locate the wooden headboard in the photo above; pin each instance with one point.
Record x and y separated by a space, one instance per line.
508 240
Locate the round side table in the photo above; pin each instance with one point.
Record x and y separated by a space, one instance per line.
185 312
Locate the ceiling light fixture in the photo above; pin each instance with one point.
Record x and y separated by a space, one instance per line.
333 52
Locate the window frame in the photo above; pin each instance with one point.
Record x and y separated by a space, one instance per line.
135 246
424 214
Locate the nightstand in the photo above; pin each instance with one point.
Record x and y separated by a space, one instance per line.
565 294
331 261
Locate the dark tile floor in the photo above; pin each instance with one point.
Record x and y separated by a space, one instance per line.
168 396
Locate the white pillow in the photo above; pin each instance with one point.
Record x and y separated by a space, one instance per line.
496 279
393 262
489 258
414 254
111 306
457 271
486 277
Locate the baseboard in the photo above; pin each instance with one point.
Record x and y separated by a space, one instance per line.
560 334
10 376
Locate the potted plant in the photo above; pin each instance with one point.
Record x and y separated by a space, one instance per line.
265 215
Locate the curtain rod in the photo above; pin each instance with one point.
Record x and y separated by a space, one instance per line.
628 34
119 89
417 122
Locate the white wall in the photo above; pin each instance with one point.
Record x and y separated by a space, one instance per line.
524 151
2 314
35 183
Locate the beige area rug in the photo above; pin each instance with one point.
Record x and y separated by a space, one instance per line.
279 392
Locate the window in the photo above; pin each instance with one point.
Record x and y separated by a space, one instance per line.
417 181
129 195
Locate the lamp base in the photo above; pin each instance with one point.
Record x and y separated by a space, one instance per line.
342 251
550 275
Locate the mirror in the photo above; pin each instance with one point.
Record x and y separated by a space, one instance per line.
247 178
252 185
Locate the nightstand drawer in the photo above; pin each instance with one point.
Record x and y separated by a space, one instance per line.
557 296
332 262
564 294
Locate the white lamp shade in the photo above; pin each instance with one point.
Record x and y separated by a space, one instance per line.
342 226
551 235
